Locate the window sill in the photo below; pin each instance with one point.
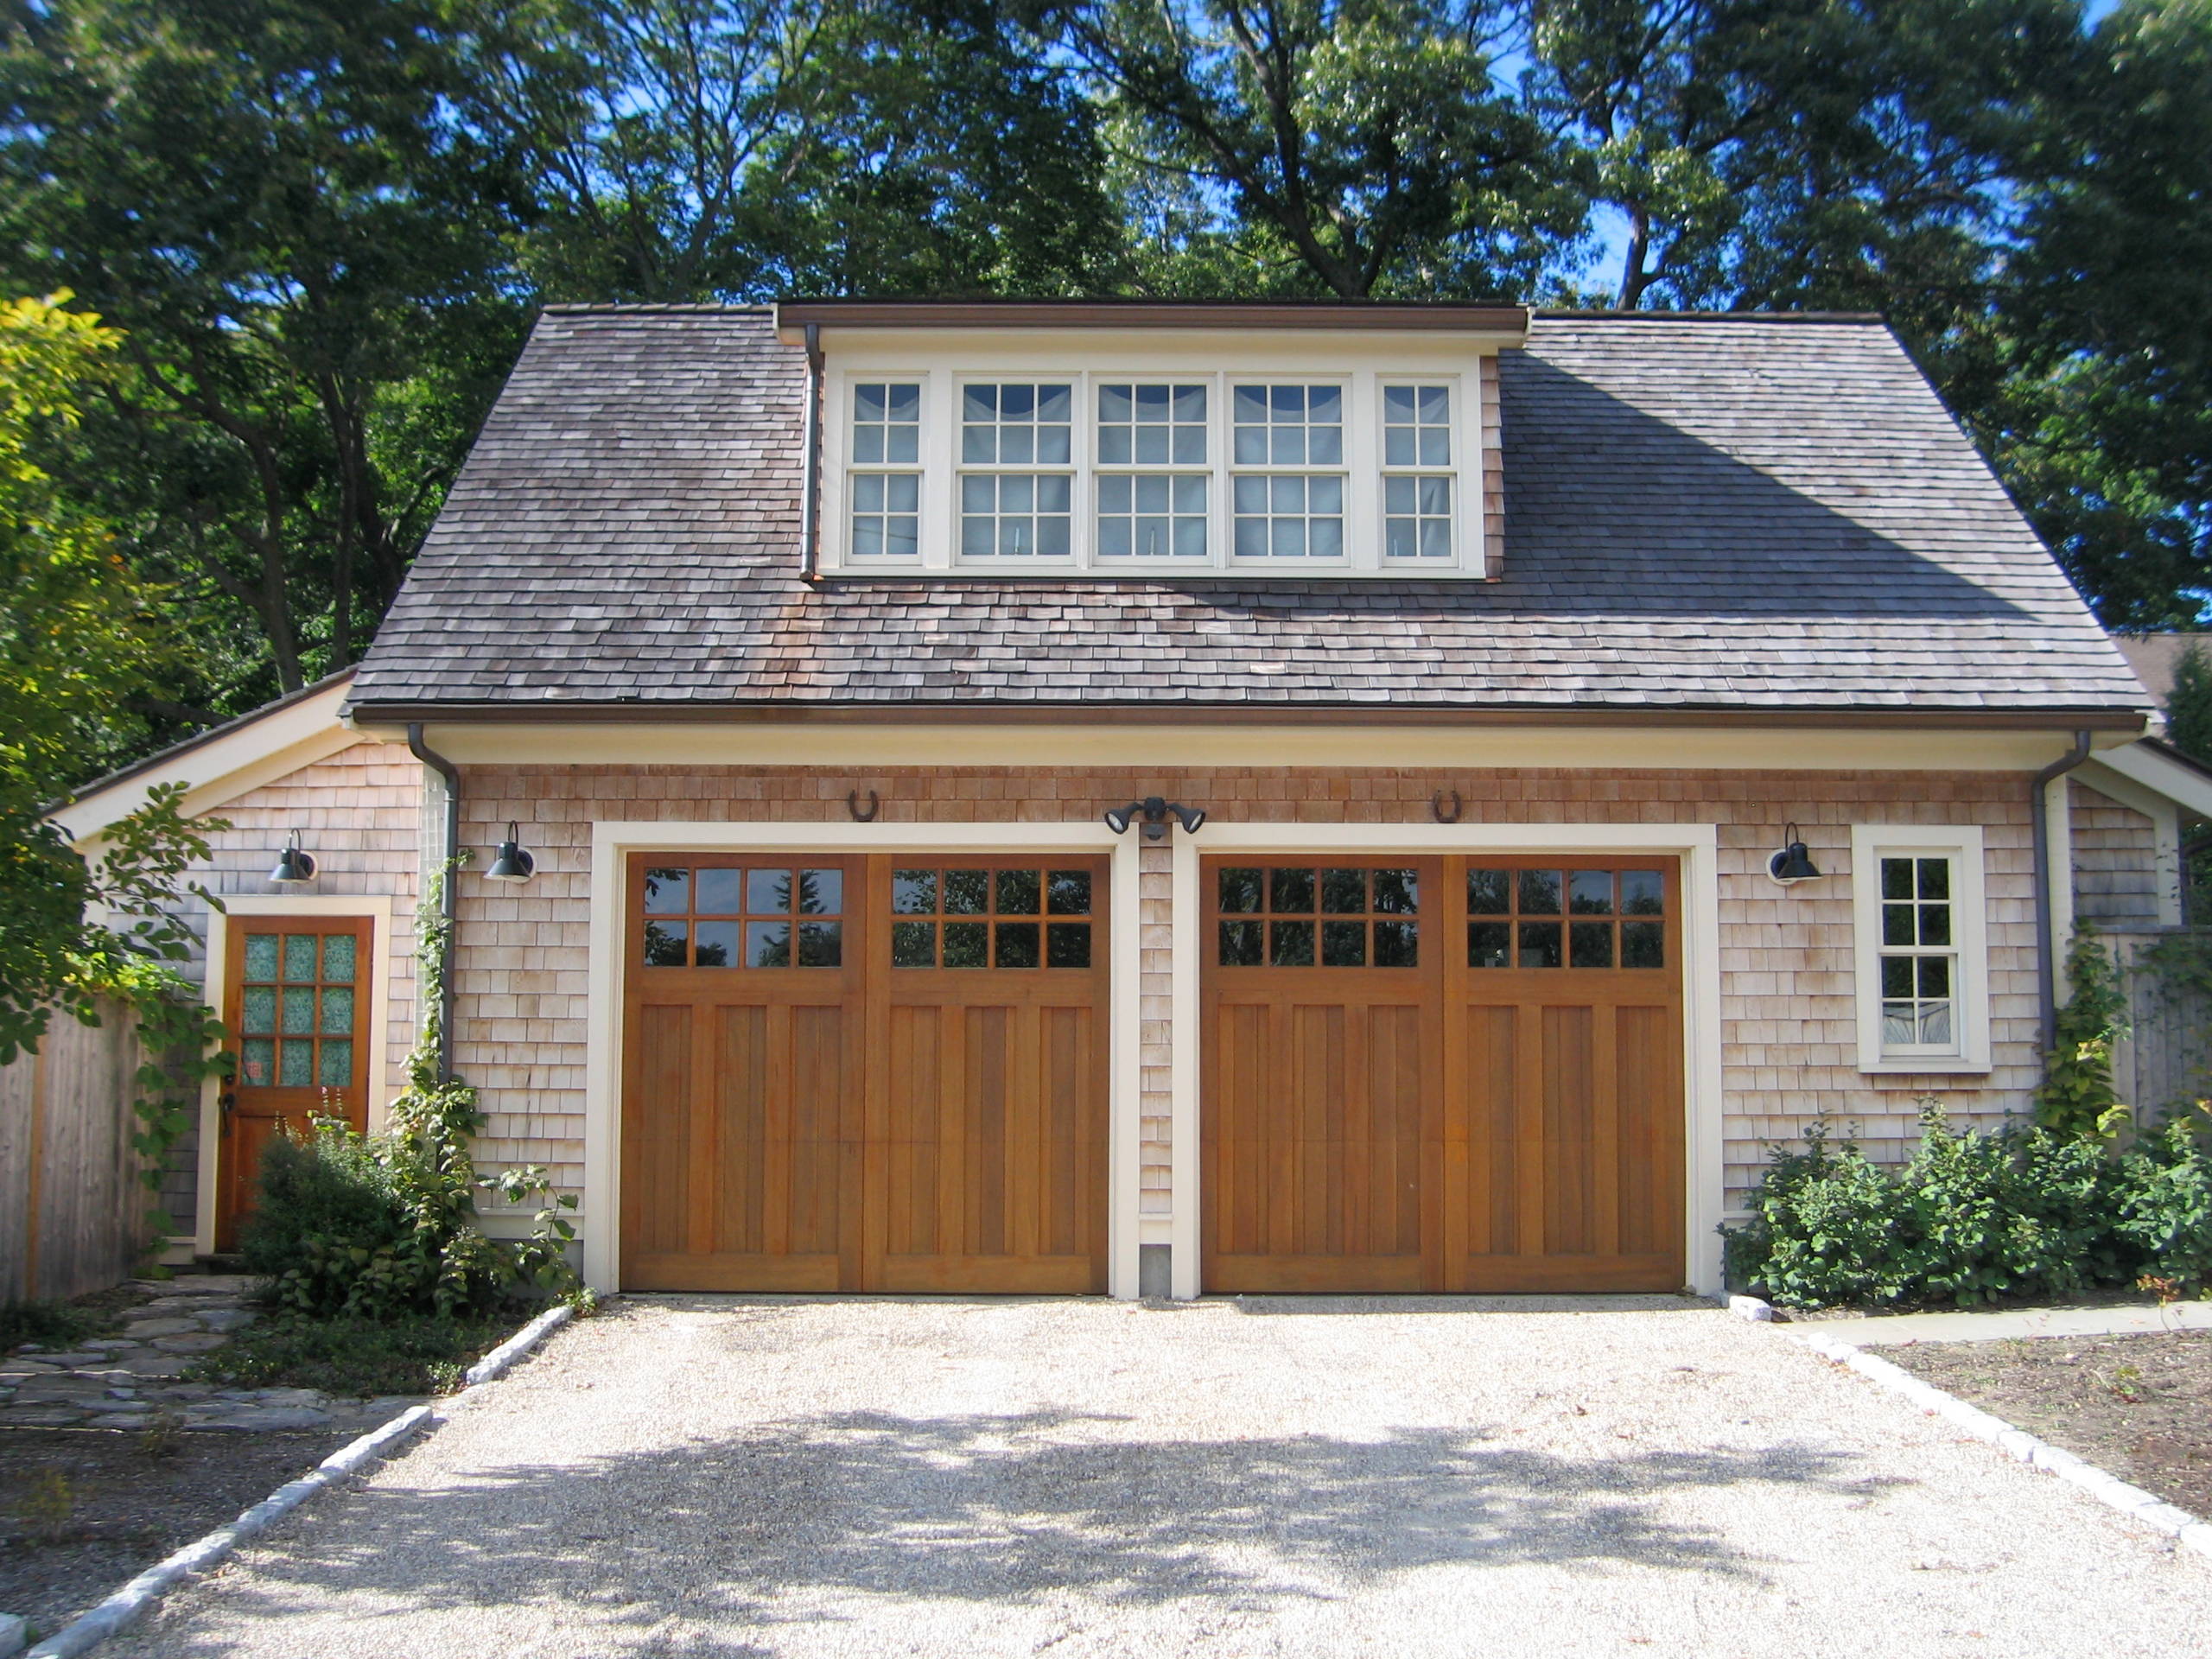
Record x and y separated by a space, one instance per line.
1162 571
1928 1065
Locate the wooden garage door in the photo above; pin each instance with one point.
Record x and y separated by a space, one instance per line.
875 1073
1456 1074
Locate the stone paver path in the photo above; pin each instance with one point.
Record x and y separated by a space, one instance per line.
703 1478
131 1380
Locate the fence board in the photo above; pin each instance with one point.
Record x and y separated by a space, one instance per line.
72 1212
2166 1059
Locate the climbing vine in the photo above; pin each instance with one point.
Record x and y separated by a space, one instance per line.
2078 1095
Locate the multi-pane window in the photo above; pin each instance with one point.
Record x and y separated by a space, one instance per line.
1010 507
1416 481
1292 509
1567 918
1154 467
970 918
769 916
1919 956
886 479
1308 916
296 1010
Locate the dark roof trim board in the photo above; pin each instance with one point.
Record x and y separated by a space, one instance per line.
1151 714
1512 321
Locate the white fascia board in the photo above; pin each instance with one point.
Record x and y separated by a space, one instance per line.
222 768
2183 786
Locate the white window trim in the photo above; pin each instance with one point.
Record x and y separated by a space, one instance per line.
940 467
1962 845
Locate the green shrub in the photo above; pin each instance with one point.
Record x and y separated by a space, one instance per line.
422 1355
1975 1217
52 1325
2078 1095
325 1206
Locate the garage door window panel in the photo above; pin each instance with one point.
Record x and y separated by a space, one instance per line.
1324 916
742 916
1592 917
1024 917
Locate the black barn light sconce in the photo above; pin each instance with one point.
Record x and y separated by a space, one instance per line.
1792 864
510 862
1153 811
294 867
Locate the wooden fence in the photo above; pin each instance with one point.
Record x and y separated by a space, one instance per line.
2166 1057
73 1210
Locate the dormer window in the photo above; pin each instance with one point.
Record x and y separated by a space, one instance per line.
1021 460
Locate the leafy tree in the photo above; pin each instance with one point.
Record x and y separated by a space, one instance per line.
1352 148
77 632
305 253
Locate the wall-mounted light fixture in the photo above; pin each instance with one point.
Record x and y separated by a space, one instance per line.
510 862
294 867
1154 811
1792 864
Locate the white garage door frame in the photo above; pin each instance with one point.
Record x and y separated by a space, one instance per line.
1696 844
613 840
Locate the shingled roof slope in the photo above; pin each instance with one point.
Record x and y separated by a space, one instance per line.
1701 514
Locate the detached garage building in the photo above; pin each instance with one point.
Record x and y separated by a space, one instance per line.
1042 798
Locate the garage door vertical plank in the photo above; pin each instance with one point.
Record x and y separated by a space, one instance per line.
953 1234
1021 1135
700 1141
1458 1160
1348 1150
1529 1149
864 1113
1604 1155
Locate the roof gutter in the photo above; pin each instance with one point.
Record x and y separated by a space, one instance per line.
447 906
2047 948
810 508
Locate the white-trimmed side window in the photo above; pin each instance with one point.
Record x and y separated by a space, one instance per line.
887 475
1286 507
1923 958
1153 470
1010 505
1416 475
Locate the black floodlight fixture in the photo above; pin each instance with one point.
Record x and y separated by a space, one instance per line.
294 867
1154 811
1792 864
511 864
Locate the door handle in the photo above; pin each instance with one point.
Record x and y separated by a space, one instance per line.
229 1104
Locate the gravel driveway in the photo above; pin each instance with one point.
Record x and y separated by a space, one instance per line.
705 1477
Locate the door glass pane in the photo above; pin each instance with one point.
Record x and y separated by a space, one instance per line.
338 958
1018 944
721 892
259 1012
296 1063
1590 944
715 945
1291 890
338 1010
913 892
821 944
1489 945
1068 892
1067 945
1239 890
967 893
668 892
258 1065
1397 892
1540 944
1590 893
967 944
1343 893
335 1068
1343 944
1291 944
767 893
1643 944
299 958
1490 893
821 893
1397 944
1540 892
1241 944
768 945
1017 893
1643 892
666 943
913 944
299 1011
261 956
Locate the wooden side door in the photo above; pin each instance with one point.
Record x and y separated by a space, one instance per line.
1323 1080
295 1001
741 1112
987 1105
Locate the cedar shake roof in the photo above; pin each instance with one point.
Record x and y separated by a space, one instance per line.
1702 513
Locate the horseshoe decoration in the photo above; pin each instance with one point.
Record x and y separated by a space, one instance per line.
853 805
1444 814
